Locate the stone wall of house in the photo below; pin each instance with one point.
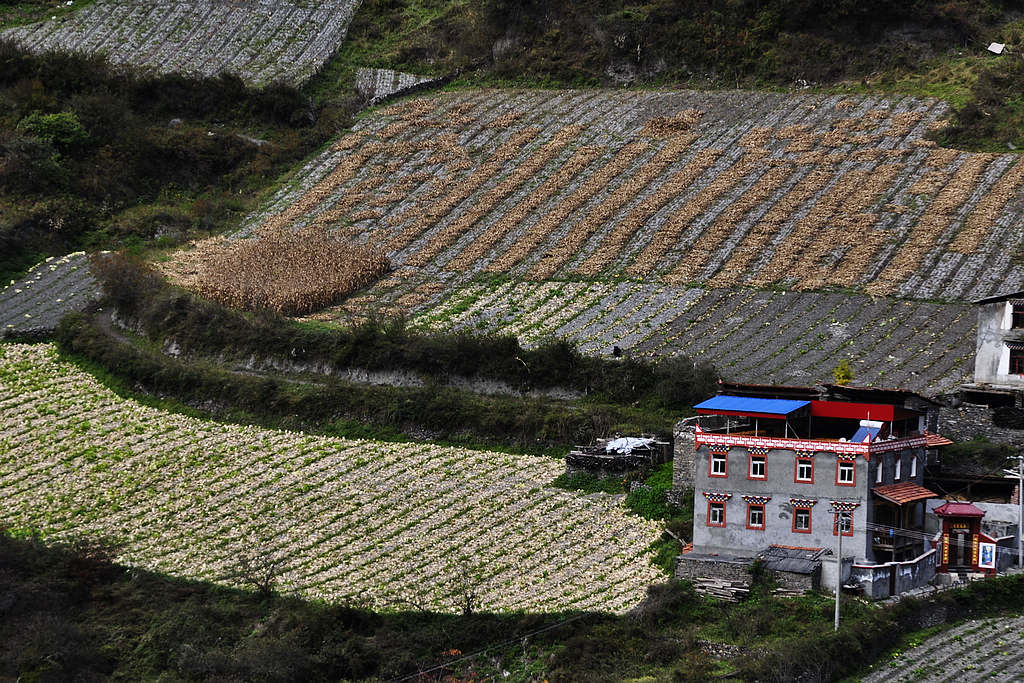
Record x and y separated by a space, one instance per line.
684 464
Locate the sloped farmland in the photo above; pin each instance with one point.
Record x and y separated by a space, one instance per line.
261 41
382 525
33 305
771 234
717 189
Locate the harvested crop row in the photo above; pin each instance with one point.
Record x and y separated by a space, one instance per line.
261 41
374 524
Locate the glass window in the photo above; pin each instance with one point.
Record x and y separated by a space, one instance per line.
802 520
845 522
755 515
716 514
757 467
913 466
878 472
805 469
719 465
845 473
899 468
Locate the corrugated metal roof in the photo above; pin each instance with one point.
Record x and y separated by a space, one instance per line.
747 404
904 492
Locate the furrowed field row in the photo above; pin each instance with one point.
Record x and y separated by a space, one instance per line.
816 186
261 41
347 518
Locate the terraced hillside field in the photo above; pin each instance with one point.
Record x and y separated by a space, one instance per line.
977 650
52 288
652 220
260 40
377 524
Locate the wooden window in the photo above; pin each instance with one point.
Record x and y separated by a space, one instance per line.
804 471
716 514
844 520
1017 361
846 473
755 515
758 467
719 466
1017 317
802 520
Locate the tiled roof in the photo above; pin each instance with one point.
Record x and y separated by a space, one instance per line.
904 492
934 440
953 509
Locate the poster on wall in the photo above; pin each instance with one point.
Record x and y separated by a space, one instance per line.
987 560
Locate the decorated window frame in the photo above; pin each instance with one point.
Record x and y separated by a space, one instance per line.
846 464
718 456
759 457
802 505
845 508
756 509
716 498
807 460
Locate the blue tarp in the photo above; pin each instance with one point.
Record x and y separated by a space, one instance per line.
744 404
864 432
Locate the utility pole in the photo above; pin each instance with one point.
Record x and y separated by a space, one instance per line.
1019 474
839 563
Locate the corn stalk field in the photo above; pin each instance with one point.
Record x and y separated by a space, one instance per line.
772 234
382 525
721 189
261 41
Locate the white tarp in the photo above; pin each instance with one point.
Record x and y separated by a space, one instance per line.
626 444
996 48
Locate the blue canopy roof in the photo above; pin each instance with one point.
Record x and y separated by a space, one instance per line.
745 404
865 434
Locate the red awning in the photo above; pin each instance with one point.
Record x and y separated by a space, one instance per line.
954 509
860 411
904 492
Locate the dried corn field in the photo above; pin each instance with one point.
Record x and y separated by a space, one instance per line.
711 224
261 41
724 189
291 273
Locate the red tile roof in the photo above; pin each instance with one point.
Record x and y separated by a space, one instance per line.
952 509
904 492
934 440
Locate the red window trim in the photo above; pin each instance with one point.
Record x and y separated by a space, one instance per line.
835 525
796 471
845 483
750 463
710 523
711 471
764 518
810 520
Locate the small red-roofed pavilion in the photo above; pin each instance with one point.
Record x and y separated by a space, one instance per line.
964 546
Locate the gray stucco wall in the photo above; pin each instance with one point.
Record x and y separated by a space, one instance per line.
877 580
992 357
736 539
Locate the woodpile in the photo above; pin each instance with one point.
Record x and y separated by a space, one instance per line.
730 591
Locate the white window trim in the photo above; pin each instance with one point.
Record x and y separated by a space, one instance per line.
846 466
878 473
913 466
719 458
899 468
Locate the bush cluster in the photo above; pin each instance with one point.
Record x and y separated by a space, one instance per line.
535 425
201 327
84 143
